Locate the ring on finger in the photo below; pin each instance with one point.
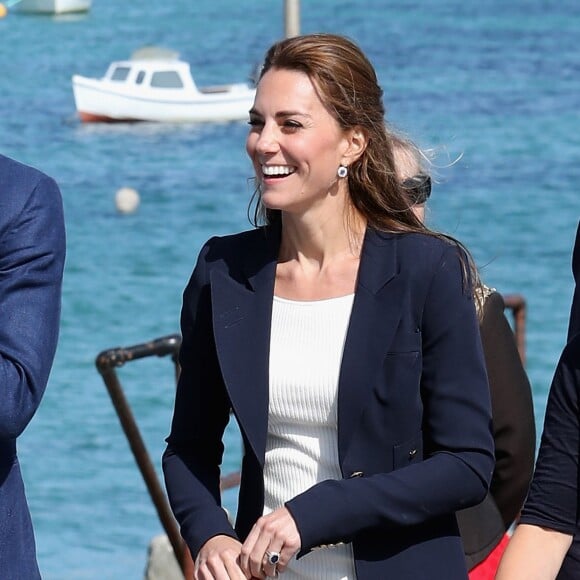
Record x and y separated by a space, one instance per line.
273 557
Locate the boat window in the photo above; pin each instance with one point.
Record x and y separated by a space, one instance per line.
166 79
120 73
140 77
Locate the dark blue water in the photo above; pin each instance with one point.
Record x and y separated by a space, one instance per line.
493 87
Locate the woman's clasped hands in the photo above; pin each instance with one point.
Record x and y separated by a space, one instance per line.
270 545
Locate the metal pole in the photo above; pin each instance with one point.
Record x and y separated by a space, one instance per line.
143 461
291 18
517 304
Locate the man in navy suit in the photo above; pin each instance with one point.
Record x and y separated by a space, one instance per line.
32 253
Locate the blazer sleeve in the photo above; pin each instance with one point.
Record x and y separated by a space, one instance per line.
459 460
194 446
553 498
32 254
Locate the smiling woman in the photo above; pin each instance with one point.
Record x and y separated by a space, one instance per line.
343 335
296 145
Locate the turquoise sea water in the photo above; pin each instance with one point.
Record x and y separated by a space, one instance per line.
493 83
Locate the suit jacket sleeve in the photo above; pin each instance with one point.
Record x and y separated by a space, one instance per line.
458 461
32 252
194 449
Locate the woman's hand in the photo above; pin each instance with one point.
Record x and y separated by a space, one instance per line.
218 559
273 533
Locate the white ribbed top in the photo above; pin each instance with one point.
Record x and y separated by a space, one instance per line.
306 346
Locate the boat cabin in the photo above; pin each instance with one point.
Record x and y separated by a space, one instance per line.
155 74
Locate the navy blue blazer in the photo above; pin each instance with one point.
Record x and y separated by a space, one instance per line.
414 421
32 251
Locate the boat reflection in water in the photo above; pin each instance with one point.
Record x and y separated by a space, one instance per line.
53 6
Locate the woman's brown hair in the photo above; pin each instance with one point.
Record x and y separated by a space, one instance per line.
348 87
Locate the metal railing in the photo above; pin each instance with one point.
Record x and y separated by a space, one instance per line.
107 362
516 303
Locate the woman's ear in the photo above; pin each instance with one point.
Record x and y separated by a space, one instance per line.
357 139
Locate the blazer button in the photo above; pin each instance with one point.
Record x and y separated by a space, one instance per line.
412 453
356 474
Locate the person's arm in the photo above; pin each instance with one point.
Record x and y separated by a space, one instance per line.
191 461
548 519
512 411
32 253
533 553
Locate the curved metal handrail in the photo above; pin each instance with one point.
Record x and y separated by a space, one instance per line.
107 361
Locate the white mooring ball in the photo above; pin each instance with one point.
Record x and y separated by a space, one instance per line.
127 200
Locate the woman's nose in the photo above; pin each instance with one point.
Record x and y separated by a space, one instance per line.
267 141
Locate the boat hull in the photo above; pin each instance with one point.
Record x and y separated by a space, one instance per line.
101 101
54 6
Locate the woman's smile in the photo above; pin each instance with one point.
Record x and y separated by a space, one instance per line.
276 172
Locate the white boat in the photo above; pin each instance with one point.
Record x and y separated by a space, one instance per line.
157 87
53 6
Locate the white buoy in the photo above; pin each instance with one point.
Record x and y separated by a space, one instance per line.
127 200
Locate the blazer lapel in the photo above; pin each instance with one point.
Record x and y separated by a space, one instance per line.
242 314
375 315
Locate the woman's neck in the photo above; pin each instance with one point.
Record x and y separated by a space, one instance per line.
318 259
321 240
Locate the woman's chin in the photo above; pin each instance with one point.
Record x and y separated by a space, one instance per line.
272 201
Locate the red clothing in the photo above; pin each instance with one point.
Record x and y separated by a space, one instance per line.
486 570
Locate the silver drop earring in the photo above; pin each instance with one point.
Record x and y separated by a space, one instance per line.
342 171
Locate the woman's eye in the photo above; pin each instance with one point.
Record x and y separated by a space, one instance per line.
292 125
255 122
